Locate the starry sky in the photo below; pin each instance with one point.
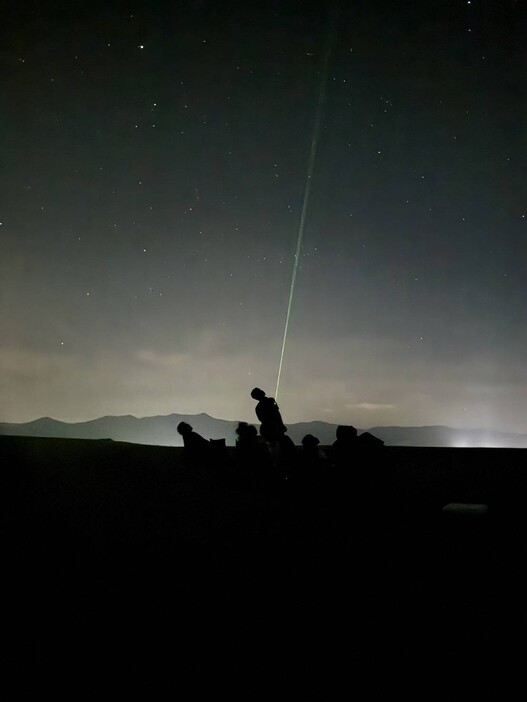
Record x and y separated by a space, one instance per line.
154 162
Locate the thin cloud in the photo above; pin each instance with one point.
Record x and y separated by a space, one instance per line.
371 406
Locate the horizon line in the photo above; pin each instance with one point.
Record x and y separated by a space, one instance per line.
321 421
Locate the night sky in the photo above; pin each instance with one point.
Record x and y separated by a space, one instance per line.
154 159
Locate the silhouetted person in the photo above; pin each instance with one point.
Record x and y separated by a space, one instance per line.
311 459
248 443
311 455
370 458
195 445
310 492
345 446
272 427
374 480
252 452
247 436
369 442
287 456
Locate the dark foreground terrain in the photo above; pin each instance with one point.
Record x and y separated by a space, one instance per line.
124 556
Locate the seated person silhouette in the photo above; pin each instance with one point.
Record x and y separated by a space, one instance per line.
345 447
369 442
195 445
309 460
287 456
272 427
249 446
247 436
311 456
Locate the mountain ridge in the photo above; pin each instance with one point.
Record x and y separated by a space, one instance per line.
160 430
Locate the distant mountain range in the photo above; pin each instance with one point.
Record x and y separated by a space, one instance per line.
161 431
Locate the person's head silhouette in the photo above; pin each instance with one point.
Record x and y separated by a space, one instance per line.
257 394
310 442
346 433
247 433
241 429
184 428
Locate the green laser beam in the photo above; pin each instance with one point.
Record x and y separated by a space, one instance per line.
307 190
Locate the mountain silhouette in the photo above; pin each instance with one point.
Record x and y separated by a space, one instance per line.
161 431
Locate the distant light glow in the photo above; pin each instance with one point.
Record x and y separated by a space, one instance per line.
478 441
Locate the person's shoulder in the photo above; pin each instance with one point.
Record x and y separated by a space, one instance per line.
198 439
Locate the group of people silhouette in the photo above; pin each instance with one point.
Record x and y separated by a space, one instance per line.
272 448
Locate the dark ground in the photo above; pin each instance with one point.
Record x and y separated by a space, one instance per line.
121 556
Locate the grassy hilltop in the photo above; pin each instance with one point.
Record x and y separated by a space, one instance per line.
127 543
